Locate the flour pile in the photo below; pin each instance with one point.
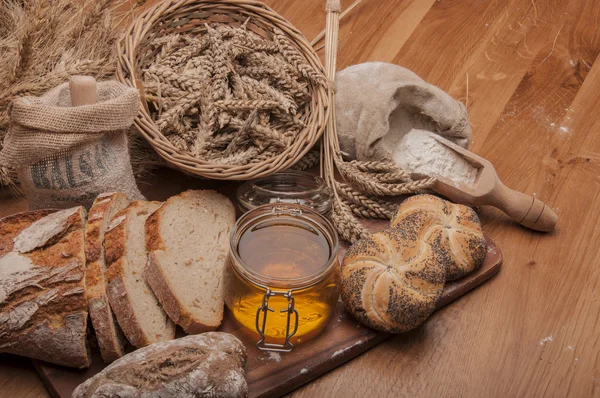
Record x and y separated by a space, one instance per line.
420 153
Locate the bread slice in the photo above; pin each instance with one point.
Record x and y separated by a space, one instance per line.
188 242
110 337
138 312
43 305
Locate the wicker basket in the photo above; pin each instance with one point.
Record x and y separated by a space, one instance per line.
190 16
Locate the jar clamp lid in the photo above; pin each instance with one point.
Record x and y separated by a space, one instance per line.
293 187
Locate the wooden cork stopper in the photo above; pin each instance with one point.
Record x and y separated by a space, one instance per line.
84 90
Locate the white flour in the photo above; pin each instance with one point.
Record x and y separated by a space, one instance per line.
43 230
546 340
272 357
419 153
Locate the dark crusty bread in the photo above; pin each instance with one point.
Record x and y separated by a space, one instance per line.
43 305
138 311
462 243
206 365
110 337
188 241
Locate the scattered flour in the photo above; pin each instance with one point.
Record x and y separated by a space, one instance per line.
340 352
15 271
570 347
417 152
272 356
303 371
275 356
545 340
43 230
544 119
14 263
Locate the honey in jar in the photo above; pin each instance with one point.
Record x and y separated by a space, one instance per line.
281 279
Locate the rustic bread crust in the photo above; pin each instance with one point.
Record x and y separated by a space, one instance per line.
118 296
15 223
463 242
43 306
114 247
159 283
111 340
206 365
153 239
120 302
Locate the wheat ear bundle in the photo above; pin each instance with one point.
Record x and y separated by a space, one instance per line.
365 180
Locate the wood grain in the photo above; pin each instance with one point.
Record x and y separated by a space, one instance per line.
534 81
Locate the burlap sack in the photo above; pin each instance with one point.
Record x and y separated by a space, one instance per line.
66 156
378 103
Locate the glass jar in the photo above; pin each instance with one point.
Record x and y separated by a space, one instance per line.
295 187
281 280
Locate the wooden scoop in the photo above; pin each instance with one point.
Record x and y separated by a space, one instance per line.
489 190
84 90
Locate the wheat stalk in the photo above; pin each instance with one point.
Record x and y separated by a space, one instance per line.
228 90
347 226
309 161
366 206
367 179
44 42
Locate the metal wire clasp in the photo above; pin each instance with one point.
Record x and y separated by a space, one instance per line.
292 211
287 346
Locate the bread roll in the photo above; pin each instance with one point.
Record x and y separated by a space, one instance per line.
392 280
462 241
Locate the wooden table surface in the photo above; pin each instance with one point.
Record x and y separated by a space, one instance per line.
530 72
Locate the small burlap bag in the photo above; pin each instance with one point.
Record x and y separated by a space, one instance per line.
378 103
65 155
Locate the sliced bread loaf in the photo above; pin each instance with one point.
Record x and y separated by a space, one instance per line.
43 305
110 337
138 312
188 241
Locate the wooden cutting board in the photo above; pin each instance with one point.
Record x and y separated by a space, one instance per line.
273 375
270 375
